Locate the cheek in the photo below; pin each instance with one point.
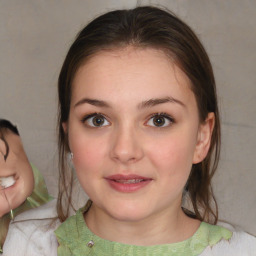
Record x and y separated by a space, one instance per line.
25 172
173 154
88 154
26 185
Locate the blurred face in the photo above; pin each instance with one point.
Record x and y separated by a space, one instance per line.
16 175
134 131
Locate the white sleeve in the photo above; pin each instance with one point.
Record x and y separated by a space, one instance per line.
32 233
31 238
240 244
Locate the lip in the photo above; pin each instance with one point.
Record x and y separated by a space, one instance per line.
127 183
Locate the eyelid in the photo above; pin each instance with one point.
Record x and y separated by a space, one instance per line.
86 117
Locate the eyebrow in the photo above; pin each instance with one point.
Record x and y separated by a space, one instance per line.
94 102
157 101
145 104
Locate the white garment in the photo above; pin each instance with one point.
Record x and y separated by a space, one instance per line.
240 244
32 233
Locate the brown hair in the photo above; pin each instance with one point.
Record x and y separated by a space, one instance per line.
159 29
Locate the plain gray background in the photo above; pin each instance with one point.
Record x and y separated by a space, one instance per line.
35 36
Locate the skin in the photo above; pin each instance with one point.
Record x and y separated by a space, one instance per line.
128 142
16 164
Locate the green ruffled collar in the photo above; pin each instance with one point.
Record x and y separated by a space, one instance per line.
76 236
38 197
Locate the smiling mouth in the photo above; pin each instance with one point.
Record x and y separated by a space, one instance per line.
128 183
6 182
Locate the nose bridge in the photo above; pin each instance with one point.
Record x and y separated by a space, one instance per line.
126 145
3 147
1 161
3 151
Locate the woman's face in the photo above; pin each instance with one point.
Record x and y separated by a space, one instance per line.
134 131
16 175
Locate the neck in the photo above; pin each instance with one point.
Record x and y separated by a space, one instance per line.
165 227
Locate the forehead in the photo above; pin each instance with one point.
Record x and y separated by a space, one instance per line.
130 71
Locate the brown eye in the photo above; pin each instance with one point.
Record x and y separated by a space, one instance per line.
160 120
96 120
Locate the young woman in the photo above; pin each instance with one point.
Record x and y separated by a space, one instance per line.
138 115
139 123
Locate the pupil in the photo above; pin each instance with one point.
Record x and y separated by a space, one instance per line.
98 121
159 121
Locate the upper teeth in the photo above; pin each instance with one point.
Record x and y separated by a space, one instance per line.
6 182
129 181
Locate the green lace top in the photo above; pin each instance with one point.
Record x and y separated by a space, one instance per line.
38 197
75 238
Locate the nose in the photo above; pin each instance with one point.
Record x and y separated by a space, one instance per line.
126 146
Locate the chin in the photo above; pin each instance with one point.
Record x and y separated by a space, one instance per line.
129 214
3 212
18 201
19 198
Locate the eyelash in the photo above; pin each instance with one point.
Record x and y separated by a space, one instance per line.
162 115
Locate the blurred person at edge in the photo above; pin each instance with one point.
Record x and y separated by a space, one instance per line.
22 186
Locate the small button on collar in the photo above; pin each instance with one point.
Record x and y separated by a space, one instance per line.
90 244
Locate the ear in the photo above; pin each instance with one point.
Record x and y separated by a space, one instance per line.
204 138
65 127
